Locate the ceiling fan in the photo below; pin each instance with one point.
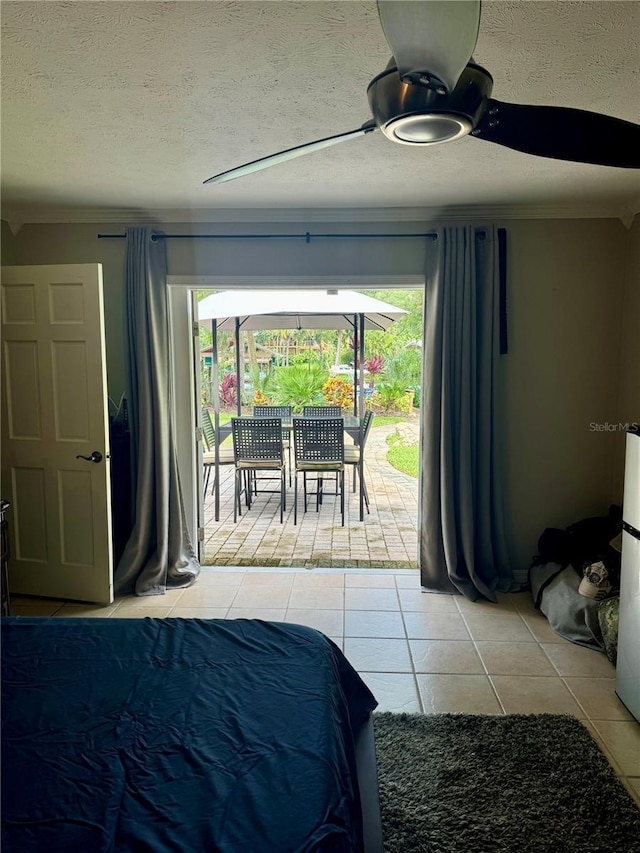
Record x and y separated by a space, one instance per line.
433 92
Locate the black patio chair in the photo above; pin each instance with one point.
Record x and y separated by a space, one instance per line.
354 455
208 451
318 449
257 445
283 412
321 412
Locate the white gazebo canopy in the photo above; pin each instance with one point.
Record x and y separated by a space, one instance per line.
254 310
295 309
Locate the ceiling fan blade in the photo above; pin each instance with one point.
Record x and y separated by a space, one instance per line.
431 37
289 154
562 133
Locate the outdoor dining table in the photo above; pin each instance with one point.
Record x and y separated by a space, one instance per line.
352 426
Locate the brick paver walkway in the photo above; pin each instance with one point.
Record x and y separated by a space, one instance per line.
386 539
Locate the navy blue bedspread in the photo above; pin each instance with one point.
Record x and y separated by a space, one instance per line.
178 735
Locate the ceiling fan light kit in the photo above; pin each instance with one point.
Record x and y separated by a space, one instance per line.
415 114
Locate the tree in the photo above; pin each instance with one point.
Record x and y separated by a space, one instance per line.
390 344
251 351
338 348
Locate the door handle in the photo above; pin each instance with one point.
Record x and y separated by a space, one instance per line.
96 457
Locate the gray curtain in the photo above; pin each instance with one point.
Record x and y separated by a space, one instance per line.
159 554
461 534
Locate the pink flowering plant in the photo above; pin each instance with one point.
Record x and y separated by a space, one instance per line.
374 367
228 390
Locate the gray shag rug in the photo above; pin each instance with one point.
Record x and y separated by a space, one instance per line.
534 783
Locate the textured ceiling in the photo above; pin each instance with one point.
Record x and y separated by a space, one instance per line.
134 104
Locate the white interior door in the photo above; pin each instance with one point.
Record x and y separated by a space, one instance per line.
54 410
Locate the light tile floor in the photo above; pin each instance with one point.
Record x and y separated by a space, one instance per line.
418 652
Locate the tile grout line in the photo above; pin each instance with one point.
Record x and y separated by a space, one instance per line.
288 607
558 675
411 658
537 642
605 749
574 697
486 670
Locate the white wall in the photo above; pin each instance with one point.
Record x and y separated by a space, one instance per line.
7 244
629 388
79 244
562 372
566 283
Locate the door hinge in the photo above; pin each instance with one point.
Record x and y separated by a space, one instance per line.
201 534
195 329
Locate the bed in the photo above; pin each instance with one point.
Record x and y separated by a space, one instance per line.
238 736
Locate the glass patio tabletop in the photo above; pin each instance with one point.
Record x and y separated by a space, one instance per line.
352 424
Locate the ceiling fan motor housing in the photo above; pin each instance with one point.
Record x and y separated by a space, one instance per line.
417 114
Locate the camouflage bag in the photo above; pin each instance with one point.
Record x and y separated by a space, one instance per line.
608 612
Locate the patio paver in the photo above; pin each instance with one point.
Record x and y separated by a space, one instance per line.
386 539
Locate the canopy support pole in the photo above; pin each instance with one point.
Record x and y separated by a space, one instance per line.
355 364
361 470
216 417
361 377
239 379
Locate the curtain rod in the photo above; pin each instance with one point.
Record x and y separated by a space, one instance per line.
306 236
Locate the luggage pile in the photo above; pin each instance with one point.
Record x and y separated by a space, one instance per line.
575 580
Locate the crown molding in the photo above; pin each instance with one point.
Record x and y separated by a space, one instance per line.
17 216
629 212
12 220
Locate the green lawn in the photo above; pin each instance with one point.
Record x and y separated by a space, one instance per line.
384 420
404 458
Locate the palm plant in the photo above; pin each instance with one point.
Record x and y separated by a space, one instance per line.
261 382
392 396
299 385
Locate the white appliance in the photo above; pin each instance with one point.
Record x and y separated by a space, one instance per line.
628 665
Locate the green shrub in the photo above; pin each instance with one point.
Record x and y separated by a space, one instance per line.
298 386
393 396
405 367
